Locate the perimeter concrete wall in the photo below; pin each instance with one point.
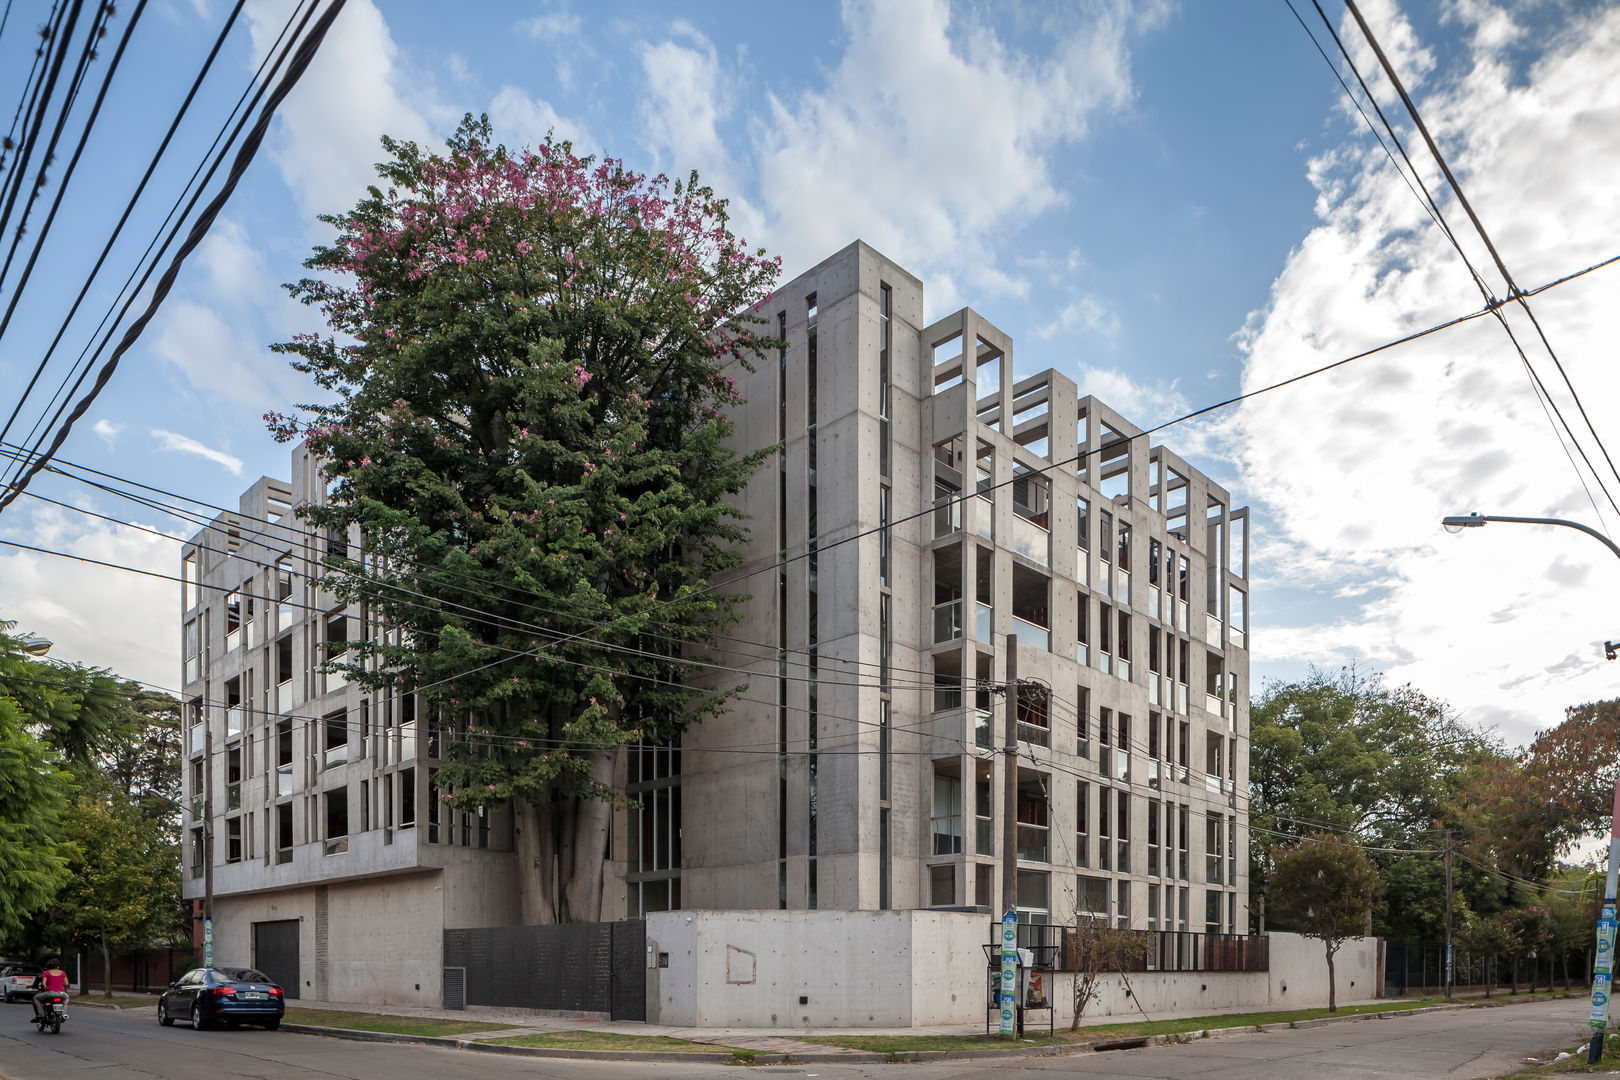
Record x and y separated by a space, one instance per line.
918 968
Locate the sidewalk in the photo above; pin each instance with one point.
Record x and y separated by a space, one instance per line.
769 1044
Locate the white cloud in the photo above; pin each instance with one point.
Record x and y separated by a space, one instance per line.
96 615
878 152
107 430
1081 313
168 440
326 153
1147 404
553 22
1355 468
521 120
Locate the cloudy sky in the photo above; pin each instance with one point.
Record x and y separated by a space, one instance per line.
1172 203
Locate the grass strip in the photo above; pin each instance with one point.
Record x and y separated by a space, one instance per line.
613 1040
900 1044
392 1025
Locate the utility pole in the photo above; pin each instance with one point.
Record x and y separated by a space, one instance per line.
1603 959
1007 997
208 842
1449 977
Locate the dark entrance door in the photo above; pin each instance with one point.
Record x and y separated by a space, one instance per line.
275 952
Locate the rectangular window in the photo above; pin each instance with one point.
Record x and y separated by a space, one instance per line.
1153 838
1082 720
942 886
883 536
284 832
188 578
334 739
337 821
885 750
1034 896
1082 837
810 361
1082 509
407 798
1105 836
885 857
885 382
1091 896
947 816
233 839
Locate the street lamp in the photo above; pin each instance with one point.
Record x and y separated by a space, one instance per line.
35 645
1603 969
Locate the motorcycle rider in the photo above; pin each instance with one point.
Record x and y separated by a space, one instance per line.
53 980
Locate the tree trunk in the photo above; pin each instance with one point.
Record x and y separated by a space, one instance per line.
1490 975
582 892
535 863
106 963
1333 1003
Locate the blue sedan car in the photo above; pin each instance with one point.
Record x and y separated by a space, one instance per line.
207 996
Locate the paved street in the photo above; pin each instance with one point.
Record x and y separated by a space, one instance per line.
1460 1044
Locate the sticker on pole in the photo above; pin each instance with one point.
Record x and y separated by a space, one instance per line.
1600 1001
1009 971
1603 959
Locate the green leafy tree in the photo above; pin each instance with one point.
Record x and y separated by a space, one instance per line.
119 861
53 718
1485 938
531 431
1343 752
1325 885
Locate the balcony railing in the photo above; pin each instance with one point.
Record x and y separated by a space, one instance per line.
233 721
1034 844
286 615
947 621
1153 773
1122 766
336 680
984 518
1082 566
1031 541
333 756
1212 702
284 780
984 622
1105 662
1122 588
1236 638
407 741
194 739
1212 869
335 846
1154 679
1036 637
233 796
947 516
1181 697
232 640
193 668
1181 615
984 836
284 696
1034 734
1124 670
1082 654
1212 630
983 722
1212 783
283 855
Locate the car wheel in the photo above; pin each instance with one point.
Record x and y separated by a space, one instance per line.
163 1015
197 1023
271 1025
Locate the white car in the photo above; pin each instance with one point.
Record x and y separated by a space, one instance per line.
17 981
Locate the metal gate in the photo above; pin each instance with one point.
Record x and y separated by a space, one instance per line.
275 952
576 967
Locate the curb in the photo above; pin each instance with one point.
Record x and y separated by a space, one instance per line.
858 1057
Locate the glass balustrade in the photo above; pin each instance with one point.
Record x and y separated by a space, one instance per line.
286 615
195 742
193 668
1034 734
1105 663
1154 603
407 741
283 855
1122 588
1167 610
284 696
984 622
1212 869
1237 638
984 518
1082 566
1082 654
1124 670
1212 630
232 640
233 796
1181 697
336 680
1124 861
1181 615
1122 766
983 722
947 517
336 846
984 836
1031 541
1212 702
1212 784
1153 773
1033 844
1153 688
284 779
233 721
947 621
1036 637
334 756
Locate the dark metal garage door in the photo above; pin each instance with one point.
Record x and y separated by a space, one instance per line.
275 952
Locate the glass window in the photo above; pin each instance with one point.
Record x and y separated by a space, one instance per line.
947 816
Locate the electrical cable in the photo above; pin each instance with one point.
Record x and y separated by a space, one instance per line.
248 150
63 40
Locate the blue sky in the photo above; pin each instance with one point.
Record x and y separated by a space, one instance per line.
1169 202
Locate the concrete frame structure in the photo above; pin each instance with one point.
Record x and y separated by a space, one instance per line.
924 504
318 793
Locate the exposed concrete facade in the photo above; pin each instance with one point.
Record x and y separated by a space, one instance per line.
318 792
1012 506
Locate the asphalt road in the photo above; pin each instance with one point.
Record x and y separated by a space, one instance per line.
1456 1045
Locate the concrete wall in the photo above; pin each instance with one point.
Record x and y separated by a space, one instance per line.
921 968
854 969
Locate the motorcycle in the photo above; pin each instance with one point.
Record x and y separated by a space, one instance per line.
52 1013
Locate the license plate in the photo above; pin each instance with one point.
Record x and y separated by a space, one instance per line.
253 995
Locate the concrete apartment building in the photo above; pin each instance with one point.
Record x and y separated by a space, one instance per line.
925 504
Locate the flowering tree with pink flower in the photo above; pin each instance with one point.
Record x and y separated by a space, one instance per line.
531 356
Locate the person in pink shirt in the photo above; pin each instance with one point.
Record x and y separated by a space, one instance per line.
53 980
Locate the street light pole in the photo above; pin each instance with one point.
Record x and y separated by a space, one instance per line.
1603 963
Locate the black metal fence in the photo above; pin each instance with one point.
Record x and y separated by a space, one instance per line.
583 967
1419 967
1063 949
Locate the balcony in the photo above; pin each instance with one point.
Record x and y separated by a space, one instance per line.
232 640
284 779
1036 637
1212 784
336 680
1154 679
195 739
193 669
1181 698
407 741
1031 541
1082 654
286 615
1212 869
233 796
1237 638
947 621
1122 588
333 756
984 836
1181 615
1082 566
1105 663
1153 773
947 516
1124 670
984 518
284 696
1212 630
233 721
1122 766
1212 703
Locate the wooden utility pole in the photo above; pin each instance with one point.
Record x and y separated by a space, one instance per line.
1009 784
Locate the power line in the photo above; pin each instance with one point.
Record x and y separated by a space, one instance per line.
249 148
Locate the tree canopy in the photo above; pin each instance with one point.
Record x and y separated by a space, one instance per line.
1325 885
530 427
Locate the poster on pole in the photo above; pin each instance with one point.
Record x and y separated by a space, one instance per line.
1009 970
208 943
